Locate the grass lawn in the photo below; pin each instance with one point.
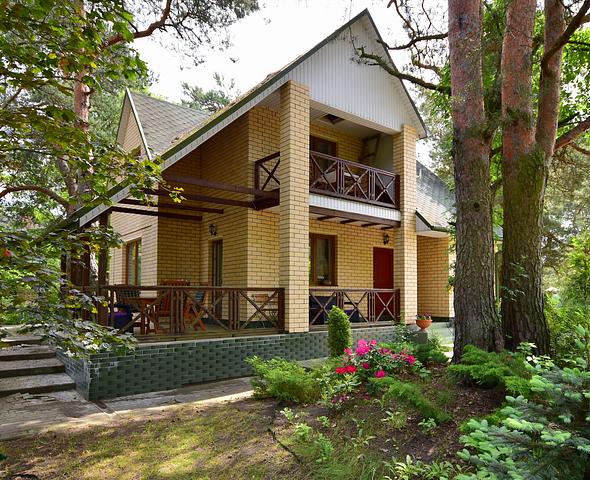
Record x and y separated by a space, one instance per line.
253 440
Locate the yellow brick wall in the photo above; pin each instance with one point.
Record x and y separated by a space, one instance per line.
347 146
434 296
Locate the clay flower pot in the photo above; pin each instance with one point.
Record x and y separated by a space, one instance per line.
423 323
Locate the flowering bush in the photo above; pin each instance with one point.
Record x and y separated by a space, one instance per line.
368 360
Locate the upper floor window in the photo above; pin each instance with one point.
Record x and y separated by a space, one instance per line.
322 260
323 146
133 262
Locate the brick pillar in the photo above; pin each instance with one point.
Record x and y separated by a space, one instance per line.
405 245
294 205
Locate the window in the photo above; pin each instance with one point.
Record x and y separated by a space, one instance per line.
322 260
133 263
323 146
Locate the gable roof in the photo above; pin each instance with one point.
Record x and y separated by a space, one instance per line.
435 203
182 143
164 122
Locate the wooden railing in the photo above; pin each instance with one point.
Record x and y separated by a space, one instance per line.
361 305
335 177
163 309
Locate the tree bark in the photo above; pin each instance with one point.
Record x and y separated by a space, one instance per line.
527 150
476 321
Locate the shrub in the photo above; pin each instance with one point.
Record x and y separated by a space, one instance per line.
339 332
283 380
411 395
430 353
544 437
562 320
491 370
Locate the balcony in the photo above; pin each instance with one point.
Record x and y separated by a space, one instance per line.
334 177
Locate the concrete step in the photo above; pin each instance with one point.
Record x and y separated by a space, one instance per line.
25 353
18 368
53 382
13 340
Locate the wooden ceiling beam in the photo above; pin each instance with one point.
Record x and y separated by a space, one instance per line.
226 187
202 198
172 206
153 213
325 217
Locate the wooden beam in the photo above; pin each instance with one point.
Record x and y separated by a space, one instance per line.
152 213
325 217
226 187
353 217
369 225
103 261
202 198
389 227
172 206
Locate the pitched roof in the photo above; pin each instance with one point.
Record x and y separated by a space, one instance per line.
435 203
164 122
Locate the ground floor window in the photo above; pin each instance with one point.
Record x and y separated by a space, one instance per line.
322 260
133 262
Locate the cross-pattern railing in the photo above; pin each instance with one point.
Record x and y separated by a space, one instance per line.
163 309
335 177
361 305
342 178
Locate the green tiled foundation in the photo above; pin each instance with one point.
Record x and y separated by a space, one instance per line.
163 366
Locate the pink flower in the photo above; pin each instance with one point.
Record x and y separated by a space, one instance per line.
366 366
341 370
362 343
410 359
348 351
373 342
351 369
380 373
362 350
384 351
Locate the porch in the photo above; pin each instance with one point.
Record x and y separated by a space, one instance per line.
182 312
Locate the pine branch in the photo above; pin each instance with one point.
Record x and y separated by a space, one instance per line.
569 136
575 23
414 41
378 61
151 28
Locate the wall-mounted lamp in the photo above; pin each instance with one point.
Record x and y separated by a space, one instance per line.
385 239
213 230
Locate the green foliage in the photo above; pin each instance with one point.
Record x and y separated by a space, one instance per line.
210 100
492 370
430 352
34 293
576 290
410 394
283 380
339 332
544 437
563 320
411 469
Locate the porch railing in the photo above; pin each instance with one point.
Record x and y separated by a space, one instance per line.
162 309
361 305
335 177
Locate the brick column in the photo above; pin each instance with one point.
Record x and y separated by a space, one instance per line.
294 205
405 245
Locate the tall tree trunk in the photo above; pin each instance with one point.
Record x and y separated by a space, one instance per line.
475 313
527 152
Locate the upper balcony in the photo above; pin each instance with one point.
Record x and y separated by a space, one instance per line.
337 178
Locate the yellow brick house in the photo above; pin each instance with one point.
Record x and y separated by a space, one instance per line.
302 194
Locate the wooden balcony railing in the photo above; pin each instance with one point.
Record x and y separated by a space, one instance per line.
361 305
163 309
335 177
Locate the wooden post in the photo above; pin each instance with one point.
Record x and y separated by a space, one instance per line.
103 259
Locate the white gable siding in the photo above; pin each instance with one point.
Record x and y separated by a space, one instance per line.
366 92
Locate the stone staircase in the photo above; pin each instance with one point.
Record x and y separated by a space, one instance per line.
29 368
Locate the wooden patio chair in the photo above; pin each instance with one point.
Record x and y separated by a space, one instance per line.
127 309
268 305
162 309
195 309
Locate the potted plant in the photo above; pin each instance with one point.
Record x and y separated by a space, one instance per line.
424 321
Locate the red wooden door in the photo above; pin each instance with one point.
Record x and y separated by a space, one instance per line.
383 279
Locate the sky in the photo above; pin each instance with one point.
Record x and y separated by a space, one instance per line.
263 43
